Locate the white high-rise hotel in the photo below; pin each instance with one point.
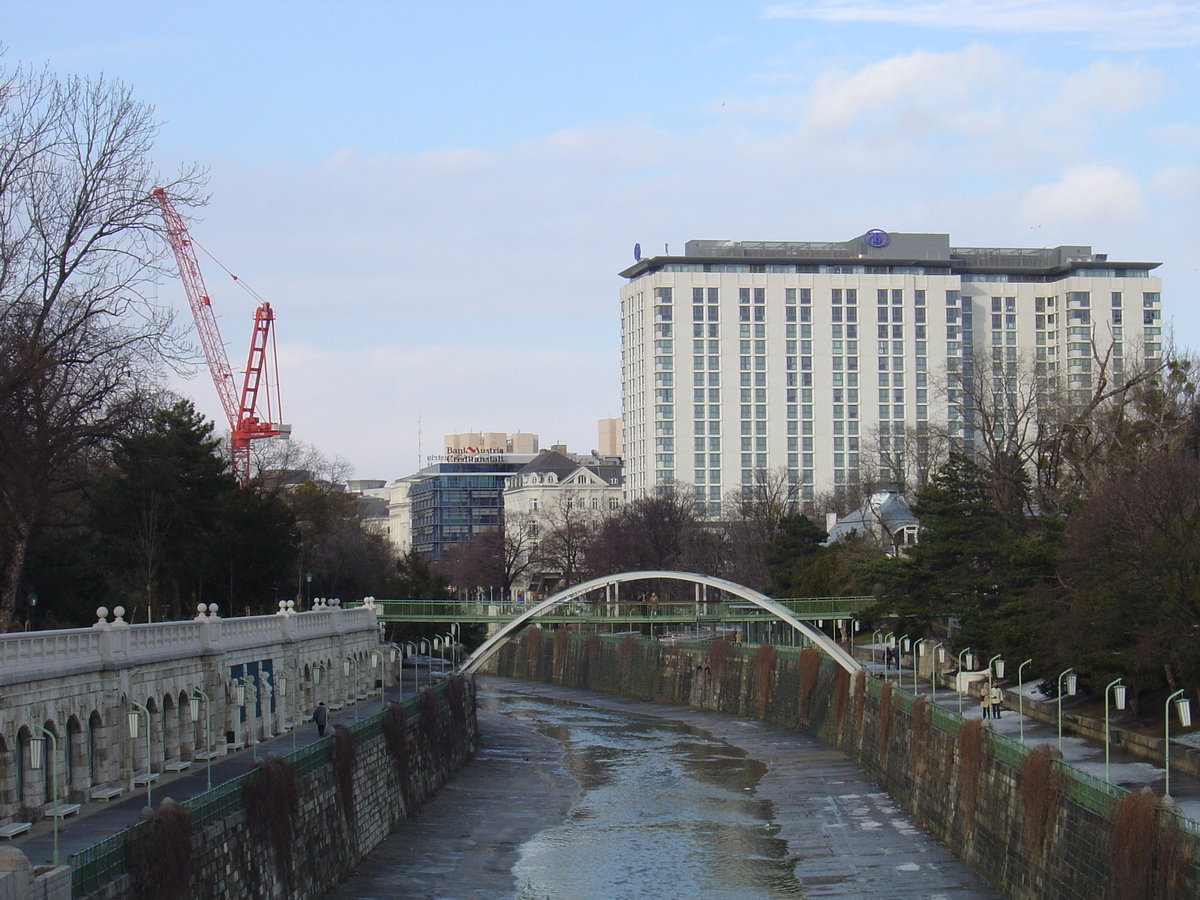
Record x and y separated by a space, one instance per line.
745 358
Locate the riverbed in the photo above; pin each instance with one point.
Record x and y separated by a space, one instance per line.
594 797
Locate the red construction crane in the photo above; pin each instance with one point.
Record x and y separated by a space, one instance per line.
261 375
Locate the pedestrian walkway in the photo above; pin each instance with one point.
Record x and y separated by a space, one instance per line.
97 820
1125 770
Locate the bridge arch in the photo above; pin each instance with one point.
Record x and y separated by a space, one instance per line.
819 639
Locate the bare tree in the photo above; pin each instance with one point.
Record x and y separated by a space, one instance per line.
564 537
904 461
81 335
752 516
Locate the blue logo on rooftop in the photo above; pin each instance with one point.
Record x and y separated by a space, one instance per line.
876 238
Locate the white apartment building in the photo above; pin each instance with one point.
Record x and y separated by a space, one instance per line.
740 359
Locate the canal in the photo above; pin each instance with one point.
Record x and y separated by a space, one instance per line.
595 797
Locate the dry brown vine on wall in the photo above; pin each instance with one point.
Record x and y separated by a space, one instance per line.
456 698
342 758
974 749
625 652
271 797
592 643
158 856
562 638
1150 850
395 737
887 711
841 700
719 653
764 669
810 669
533 649
1041 794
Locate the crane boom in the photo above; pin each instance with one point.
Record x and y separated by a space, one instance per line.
241 410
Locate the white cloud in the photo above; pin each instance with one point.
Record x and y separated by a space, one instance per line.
1092 195
1178 182
476 289
1123 24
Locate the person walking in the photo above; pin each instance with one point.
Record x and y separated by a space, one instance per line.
985 702
997 701
320 716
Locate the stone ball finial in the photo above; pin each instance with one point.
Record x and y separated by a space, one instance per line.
102 613
212 610
118 615
201 607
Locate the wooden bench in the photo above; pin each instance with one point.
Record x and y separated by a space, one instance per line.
142 778
12 829
178 765
106 794
61 810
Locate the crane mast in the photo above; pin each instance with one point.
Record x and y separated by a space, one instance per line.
261 373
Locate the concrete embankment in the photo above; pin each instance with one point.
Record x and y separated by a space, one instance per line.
1031 827
291 829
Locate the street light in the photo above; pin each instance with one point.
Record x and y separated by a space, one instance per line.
133 734
423 646
1118 693
346 664
36 751
1021 696
1183 708
286 678
996 665
377 663
244 683
1071 686
905 647
194 704
966 651
875 635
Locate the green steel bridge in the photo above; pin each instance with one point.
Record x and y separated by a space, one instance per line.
623 613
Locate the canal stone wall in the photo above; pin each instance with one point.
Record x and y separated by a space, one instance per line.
351 792
1035 829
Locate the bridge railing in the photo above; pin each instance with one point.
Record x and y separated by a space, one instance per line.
625 608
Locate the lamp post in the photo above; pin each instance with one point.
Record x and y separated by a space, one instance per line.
1183 708
377 663
1072 684
1118 693
423 646
889 644
966 651
410 651
346 664
1021 696
456 630
133 734
448 643
286 681
242 685
308 589
318 668
36 750
875 635
905 647
995 665
194 704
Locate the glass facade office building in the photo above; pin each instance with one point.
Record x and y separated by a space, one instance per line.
453 502
740 360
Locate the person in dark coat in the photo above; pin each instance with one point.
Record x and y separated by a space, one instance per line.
320 715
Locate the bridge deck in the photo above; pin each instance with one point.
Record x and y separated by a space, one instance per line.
623 612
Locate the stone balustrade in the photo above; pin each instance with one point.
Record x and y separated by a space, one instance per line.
81 685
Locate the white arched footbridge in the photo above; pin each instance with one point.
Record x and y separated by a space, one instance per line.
609 584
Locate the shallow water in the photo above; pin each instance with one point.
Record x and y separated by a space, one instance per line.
666 810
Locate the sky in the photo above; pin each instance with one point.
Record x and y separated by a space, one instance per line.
437 197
